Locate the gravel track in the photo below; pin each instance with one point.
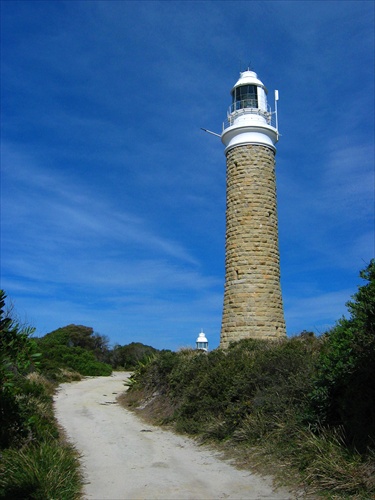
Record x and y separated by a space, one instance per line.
125 459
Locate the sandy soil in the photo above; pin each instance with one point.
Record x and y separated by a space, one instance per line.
126 459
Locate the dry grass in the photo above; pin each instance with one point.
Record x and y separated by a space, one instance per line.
333 469
153 409
65 375
37 378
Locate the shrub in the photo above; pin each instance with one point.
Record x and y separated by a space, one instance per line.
214 393
18 356
56 356
128 356
344 384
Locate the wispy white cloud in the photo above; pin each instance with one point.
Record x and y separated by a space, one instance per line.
329 207
317 312
64 205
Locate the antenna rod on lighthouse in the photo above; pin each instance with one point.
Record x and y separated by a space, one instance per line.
209 132
276 116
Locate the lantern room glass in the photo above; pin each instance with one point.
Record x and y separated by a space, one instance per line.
245 96
202 345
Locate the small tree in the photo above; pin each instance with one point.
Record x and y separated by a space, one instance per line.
344 393
74 347
128 356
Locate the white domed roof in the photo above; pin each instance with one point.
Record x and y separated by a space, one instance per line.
202 338
249 78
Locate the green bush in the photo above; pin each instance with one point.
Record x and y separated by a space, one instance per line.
74 348
79 336
128 356
18 356
344 384
228 386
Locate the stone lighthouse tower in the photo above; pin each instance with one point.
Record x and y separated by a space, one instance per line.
252 296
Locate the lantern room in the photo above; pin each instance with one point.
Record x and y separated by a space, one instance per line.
250 119
249 93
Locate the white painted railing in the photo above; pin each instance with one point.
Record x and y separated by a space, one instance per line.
240 108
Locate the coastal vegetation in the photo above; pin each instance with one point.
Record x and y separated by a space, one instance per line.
302 408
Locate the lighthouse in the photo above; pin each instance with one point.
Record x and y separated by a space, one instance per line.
253 305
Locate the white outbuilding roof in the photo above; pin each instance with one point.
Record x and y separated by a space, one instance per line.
202 338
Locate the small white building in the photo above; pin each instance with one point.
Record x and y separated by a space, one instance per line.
202 342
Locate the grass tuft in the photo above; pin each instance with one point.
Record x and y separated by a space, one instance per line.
65 375
38 472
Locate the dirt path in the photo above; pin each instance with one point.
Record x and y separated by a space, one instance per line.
126 459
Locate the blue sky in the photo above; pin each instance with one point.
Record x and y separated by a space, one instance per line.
113 199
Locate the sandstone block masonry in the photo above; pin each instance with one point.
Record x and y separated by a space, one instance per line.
252 296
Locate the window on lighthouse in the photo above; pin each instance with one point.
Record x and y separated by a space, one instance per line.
245 96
